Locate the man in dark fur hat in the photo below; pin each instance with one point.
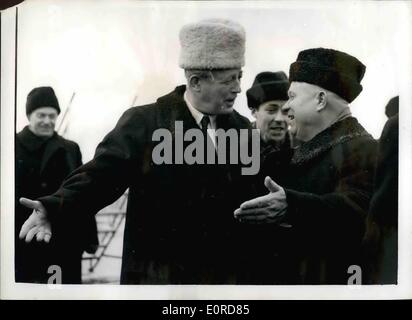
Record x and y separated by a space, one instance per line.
323 198
392 107
381 237
266 97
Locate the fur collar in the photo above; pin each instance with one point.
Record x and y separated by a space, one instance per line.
339 133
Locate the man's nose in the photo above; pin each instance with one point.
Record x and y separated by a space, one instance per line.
236 87
47 120
280 117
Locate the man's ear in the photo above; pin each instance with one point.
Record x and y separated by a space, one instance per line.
321 98
194 82
254 113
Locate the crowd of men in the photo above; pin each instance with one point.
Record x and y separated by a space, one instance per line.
315 208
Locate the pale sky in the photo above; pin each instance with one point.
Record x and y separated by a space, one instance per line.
111 53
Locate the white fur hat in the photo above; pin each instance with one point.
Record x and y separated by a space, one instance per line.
212 44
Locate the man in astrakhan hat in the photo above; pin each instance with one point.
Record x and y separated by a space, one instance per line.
323 198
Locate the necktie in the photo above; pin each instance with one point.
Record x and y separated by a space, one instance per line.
205 122
208 139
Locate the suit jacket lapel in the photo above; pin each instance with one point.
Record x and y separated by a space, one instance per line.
173 108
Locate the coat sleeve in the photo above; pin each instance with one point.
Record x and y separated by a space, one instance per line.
344 209
102 180
73 155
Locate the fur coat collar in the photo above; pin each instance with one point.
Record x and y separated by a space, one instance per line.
339 133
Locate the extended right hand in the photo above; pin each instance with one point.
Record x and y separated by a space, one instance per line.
270 208
37 224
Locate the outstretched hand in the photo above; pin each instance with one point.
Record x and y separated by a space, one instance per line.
37 225
270 208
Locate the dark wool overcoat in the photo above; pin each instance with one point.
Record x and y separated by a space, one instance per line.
381 240
179 222
260 262
328 183
40 167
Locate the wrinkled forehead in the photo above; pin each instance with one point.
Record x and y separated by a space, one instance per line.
222 74
304 87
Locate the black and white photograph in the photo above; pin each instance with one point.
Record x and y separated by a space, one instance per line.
206 150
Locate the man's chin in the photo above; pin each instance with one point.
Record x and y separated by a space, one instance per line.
225 109
277 138
45 134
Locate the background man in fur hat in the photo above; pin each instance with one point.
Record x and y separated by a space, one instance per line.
269 92
266 98
392 107
43 160
179 220
381 237
325 193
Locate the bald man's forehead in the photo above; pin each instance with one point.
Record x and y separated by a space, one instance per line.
295 85
312 89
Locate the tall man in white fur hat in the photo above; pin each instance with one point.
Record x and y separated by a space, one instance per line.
179 220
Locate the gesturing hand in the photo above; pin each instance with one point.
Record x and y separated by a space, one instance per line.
270 208
37 224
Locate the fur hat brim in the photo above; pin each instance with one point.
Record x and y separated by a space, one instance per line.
330 69
258 94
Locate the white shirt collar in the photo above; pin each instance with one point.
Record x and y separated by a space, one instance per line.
199 115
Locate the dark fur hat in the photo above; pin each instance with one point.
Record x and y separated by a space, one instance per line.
330 69
266 87
392 108
41 97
